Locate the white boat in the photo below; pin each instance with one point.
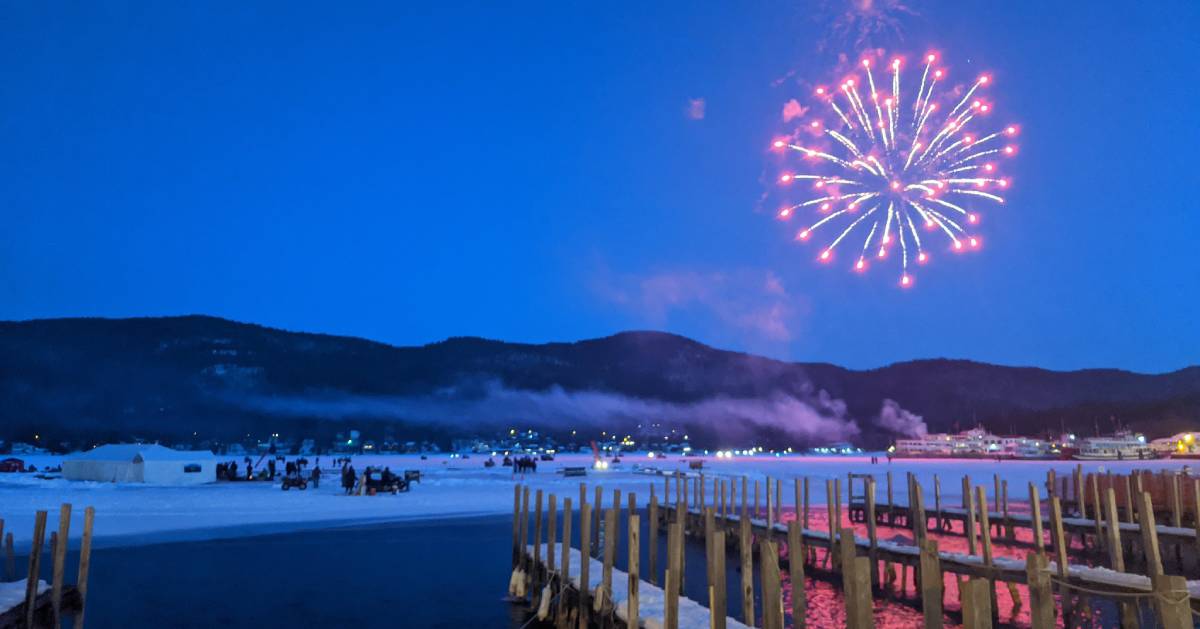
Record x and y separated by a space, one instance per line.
1123 446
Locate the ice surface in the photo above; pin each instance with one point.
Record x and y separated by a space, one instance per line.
134 513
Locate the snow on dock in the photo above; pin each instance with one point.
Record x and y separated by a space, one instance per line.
651 599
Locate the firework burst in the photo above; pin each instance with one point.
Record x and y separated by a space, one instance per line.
885 164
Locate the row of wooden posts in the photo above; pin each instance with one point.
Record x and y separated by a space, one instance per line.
859 575
62 598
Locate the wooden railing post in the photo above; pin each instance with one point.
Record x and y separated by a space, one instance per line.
85 563
719 604
976 603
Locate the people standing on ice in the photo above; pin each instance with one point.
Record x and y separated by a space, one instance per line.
348 477
271 469
290 468
316 477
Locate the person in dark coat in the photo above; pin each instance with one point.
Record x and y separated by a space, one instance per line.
348 477
316 477
271 469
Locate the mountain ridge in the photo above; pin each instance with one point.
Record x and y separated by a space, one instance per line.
169 377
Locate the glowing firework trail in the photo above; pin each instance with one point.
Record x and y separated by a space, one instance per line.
904 168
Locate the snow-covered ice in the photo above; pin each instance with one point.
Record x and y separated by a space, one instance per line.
13 593
133 513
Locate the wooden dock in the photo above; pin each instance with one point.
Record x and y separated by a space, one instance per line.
864 567
48 608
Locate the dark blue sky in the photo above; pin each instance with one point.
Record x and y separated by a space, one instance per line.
411 171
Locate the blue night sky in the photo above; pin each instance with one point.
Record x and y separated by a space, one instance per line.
536 172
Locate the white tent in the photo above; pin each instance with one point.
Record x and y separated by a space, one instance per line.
142 463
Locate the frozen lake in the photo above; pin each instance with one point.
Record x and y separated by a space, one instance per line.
128 514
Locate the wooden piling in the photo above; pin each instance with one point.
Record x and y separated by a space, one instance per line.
830 522
653 549
932 588
778 500
755 512
675 568
837 503
857 592
552 531
872 533
891 501
516 536
585 563
986 530
85 563
976 603
1129 508
1041 596
537 538
969 500
770 505
1154 566
60 560
632 568
524 526
772 596
1176 502
35 564
796 573
937 502
719 604
566 554
1096 509
1035 508
744 492
747 572
1009 534
597 512
610 550
1171 601
1116 555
